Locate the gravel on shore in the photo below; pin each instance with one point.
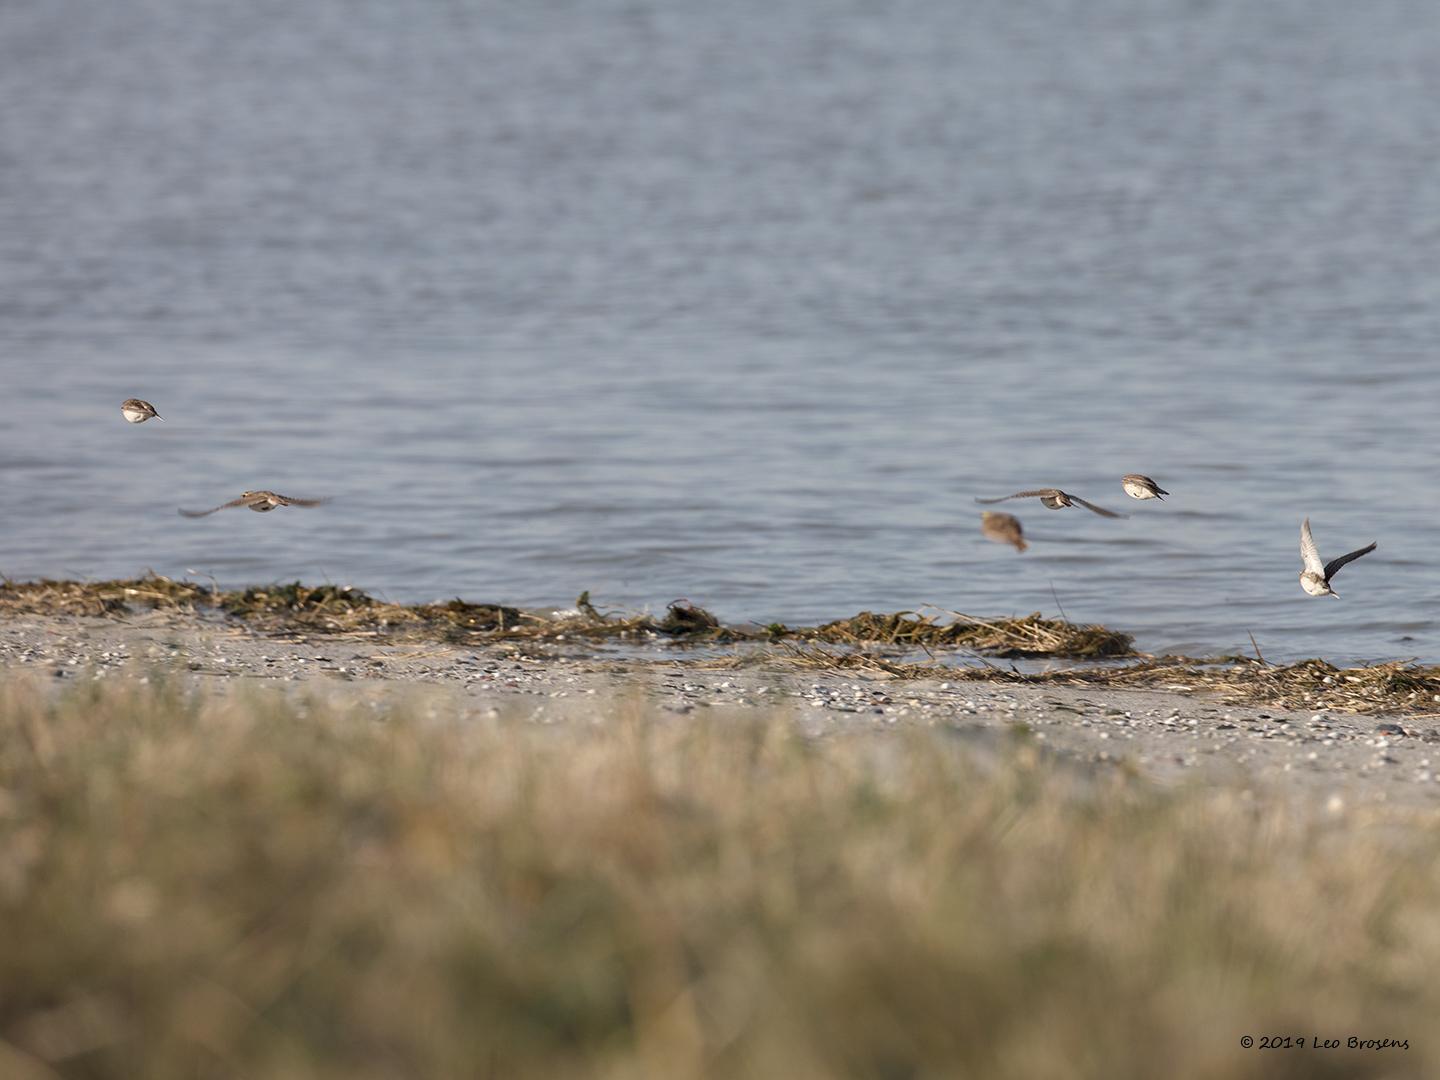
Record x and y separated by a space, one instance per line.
1170 736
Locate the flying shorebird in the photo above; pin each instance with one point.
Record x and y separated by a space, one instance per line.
1315 578
1142 487
1003 529
1056 499
262 502
137 411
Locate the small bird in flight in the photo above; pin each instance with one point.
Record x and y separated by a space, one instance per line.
1003 529
137 411
1056 499
1315 578
262 502
1142 487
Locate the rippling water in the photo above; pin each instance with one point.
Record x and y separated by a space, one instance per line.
741 302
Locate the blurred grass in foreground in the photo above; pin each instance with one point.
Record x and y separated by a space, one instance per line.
314 887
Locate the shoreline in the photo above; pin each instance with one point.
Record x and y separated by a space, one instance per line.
1164 733
911 645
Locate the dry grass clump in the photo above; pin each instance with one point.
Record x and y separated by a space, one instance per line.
317 607
326 887
1311 684
347 610
100 598
681 620
1027 637
341 609
344 609
1394 688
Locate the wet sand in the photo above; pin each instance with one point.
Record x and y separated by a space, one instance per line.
1171 736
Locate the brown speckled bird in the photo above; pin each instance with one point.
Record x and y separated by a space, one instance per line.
262 502
1003 529
1142 487
1056 499
137 411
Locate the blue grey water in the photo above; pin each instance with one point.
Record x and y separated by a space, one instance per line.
741 302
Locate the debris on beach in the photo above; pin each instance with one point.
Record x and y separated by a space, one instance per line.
345 609
1314 685
1030 636
901 644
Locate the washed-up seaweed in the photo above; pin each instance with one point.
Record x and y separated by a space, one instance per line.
343 609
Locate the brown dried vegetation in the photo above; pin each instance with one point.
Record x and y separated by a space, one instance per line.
343 609
329 885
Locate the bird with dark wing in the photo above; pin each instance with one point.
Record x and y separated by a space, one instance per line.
1139 486
1056 499
1315 578
262 502
137 411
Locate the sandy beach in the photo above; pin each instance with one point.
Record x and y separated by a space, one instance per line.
1171 735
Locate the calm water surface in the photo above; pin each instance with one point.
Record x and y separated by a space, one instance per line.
743 303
